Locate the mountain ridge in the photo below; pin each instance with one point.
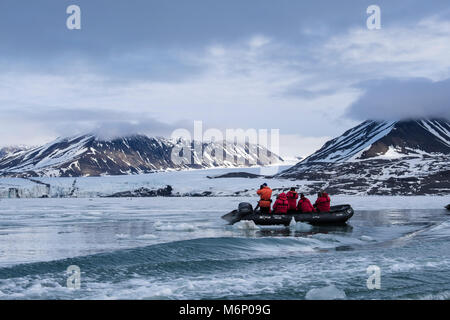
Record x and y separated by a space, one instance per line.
9 150
88 155
382 158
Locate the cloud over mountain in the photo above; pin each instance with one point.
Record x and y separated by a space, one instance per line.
395 99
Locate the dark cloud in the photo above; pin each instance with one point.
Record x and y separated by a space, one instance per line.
297 91
36 30
394 99
104 123
120 128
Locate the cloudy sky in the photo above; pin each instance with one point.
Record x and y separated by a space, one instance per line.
309 68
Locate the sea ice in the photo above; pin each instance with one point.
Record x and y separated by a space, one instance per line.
246 225
299 226
326 293
174 227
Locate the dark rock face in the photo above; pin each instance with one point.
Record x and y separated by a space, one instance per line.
162 192
144 193
382 158
408 136
88 156
351 142
236 175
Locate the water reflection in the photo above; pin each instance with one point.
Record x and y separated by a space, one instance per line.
290 232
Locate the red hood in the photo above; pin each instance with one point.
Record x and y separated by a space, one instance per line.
282 196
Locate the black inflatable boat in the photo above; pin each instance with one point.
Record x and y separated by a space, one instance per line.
337 215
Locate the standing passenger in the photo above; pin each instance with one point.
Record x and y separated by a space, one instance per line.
292 197
265 194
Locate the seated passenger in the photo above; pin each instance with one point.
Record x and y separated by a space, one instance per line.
292 197
304 205
323 202
281 204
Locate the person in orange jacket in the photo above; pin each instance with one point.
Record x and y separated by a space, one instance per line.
265 194
304 205
322 203
281 204
292 197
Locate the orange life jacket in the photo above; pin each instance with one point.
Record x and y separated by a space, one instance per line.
265 194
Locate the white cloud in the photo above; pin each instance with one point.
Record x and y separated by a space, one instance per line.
240 87
216 51
259 41
293 145
418 50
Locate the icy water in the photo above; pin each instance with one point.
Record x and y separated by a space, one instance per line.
177 248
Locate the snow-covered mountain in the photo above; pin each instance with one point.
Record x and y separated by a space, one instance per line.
391 157
87 155
7 151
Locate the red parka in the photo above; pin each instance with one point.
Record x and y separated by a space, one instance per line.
292 197
281 204
304 205
323 203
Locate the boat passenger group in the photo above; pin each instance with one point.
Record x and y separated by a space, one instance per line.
288 202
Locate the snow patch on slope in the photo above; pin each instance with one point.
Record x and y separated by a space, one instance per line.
353 143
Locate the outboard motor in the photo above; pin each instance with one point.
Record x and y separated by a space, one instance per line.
245 208
234 216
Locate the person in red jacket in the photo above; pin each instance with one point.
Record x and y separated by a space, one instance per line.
322 203
281 204
304 205
292 197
